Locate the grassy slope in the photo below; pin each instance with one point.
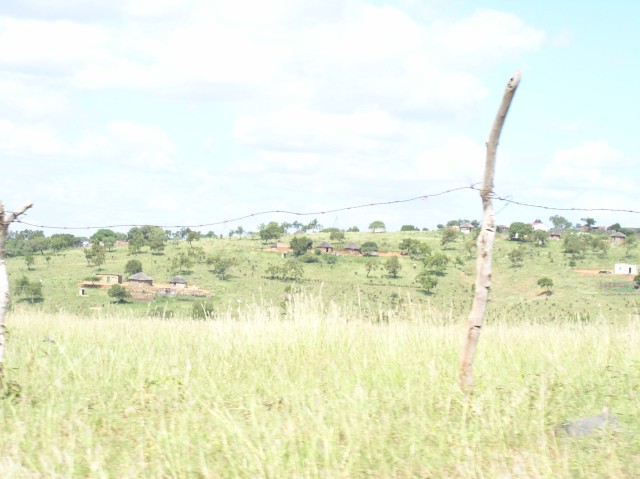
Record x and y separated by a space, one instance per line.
346 282
313 393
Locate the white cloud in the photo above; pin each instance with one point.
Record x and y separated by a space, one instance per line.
23 140
130 144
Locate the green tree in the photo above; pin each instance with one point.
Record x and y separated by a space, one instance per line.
516 256
540 237
409 228
436 264
636 280
181 261
470 245
427 281
589 222
105 236
29 260
119 293
575 246
136 242
157 240
300 245
221 266
369 247
271 231
193 236
371 265
30 291
519 231
377 225
197 254
560 222
353 229
630 243
447 237
132 267
336 236
414 248
546 283
393 266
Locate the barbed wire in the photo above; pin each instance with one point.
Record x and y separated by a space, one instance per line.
508 199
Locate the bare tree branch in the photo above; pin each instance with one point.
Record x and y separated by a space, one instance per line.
485 243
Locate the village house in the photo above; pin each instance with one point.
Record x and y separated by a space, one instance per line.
178 282
353 248
140 278
554 235
624 268
617 237
466 228
325 245
538 225
109 279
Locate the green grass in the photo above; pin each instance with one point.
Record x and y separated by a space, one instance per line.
346 282
309 389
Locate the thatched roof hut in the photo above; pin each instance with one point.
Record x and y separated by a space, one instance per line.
178 281
140 278
325 245
355 247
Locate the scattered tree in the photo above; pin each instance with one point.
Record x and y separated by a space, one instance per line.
371 265
436 264
516 256
377 225
636 280
560 222
336 236
30 291
119 293
448 235
540 237
193 236
369 247
300 245
29 260
409 228
181 261
427 281
221 266
132 267
589 222
414 248
393 266
546 283
519 231
353 229
630 243
271 231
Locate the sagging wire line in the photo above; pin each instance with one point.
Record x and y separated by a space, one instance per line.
506 199
252 215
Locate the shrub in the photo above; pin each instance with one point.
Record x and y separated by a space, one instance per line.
309 258
203 310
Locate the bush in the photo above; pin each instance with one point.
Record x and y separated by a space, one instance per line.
369 246
331 259
309 258
119 293
203 310
30 291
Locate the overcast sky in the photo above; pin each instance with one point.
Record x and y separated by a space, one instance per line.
187 112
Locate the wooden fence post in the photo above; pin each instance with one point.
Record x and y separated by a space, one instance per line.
6 219
485 243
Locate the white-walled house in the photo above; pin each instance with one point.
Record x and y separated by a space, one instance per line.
624 268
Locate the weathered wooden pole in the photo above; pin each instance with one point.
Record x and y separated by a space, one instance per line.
6 219
485 243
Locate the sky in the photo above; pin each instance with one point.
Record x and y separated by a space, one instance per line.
208 112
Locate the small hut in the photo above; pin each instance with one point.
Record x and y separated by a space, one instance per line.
140 278
325 245
617 237
466 228
554 235
353 248
178 282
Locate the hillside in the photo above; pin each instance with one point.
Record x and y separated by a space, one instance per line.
348 282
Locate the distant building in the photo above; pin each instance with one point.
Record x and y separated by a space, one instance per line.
140 278
624 268
617 237
554 235
353 248
325 245
466 228
538 225
178 282
109 279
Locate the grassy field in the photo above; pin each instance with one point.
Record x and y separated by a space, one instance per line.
347 282
310 389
